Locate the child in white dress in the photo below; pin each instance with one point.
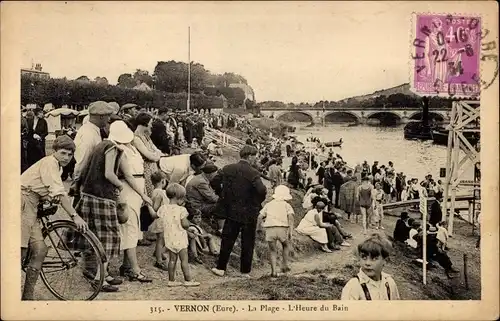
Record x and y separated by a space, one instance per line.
175 224
159 198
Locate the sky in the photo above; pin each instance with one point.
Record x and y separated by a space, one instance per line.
291 52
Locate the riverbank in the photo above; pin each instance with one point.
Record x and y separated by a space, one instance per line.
315 275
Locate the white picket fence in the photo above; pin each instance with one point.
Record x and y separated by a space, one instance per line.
223 139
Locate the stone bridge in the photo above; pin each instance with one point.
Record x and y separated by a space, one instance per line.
392 115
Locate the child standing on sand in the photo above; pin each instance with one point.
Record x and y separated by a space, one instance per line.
175 224
277 221
159 198
378 211
371 283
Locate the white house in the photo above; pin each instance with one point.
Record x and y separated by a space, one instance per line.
249 93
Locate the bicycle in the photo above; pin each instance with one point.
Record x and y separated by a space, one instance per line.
62 256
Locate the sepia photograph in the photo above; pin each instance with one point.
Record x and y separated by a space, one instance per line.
277 158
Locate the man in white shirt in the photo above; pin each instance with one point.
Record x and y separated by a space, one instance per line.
87 137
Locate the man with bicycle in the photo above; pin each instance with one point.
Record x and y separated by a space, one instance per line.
42 182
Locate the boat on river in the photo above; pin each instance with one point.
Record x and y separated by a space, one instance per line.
416 130
440 137
334 144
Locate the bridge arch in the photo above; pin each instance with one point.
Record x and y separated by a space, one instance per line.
383 118
341 117
295 116
432 115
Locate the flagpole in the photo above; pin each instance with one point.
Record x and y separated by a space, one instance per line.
189 70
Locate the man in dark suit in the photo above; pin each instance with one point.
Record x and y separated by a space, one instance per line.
159 134
242 194
337 181
37 131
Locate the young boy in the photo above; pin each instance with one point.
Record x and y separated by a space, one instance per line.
277 220
199 239
371 283
42 182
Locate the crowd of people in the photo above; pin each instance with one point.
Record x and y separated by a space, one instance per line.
130 183
120 189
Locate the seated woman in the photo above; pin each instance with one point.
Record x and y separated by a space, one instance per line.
332 218
324 233
310 195
199 193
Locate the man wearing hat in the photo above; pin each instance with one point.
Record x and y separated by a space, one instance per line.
242 194
87 137
129 112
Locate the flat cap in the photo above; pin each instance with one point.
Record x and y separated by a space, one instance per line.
100 108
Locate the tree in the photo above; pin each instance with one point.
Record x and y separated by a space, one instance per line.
143 76
172 76
126 81
101 81
79 94
83 79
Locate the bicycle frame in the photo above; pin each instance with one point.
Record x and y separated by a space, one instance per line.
47 223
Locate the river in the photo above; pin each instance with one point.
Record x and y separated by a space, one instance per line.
415 158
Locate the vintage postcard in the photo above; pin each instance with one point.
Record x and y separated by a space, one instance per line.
249 160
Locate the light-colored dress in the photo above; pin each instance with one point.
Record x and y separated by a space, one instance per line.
176 238
149 167
309 227
159 197
130 232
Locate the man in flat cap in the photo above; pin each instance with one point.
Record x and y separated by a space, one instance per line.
87 137
129 112
242 194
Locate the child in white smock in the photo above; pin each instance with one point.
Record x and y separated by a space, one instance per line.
175 224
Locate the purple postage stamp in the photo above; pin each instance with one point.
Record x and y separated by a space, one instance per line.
445 55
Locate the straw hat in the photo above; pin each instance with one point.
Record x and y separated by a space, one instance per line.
120 133
282 193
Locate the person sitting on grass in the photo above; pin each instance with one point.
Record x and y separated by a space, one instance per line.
435 252
371 283
277 221
330 217
312 225
402 229
415 227
199 240
175 223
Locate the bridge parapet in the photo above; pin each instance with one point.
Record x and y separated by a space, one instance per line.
365 115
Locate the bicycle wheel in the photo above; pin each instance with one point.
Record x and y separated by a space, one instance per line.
67 271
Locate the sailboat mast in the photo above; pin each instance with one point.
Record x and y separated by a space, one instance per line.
189 70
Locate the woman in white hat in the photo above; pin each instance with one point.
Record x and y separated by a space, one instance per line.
132 195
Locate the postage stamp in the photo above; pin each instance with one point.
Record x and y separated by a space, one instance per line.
445 52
